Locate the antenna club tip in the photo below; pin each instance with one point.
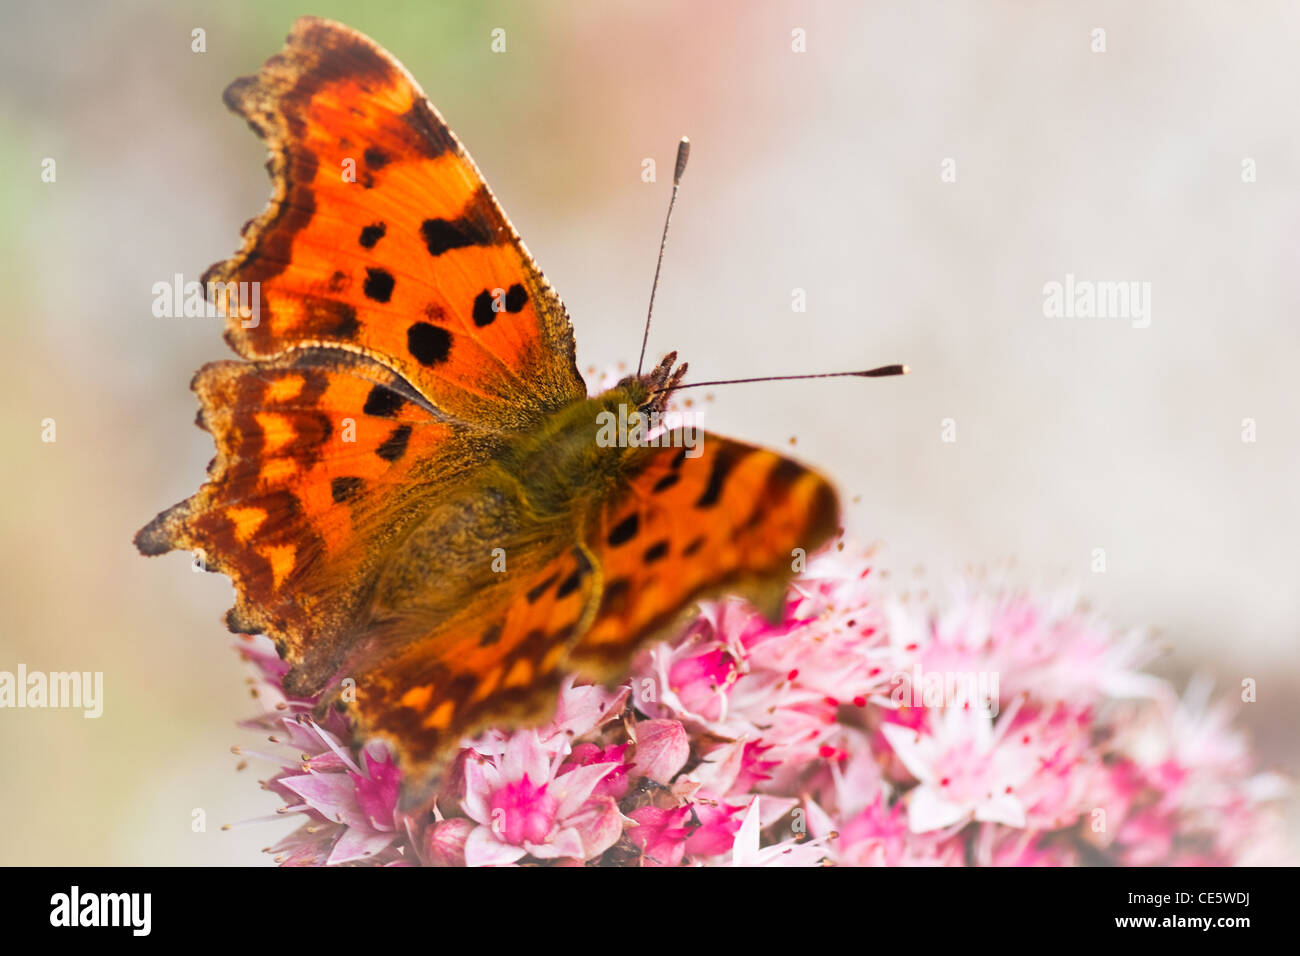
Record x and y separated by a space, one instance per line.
907 369
683 153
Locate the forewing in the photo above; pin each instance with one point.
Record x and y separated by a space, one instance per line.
382 237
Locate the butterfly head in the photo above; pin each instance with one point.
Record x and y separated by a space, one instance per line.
649 392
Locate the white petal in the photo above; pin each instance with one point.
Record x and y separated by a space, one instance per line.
926 810
903 741
1006 808
477 789
744 850
820 824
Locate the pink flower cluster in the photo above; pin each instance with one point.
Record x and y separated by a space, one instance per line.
1002 730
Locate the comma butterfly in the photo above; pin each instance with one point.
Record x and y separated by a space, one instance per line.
408 488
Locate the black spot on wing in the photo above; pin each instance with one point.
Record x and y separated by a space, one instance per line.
379 284
383 402
430 344
656 552
371 234
625 530
484 313
516 298
569 585
394 446
614 600
574 580
491 635
344 489
537 590
722 466
673 476
666 482
477 225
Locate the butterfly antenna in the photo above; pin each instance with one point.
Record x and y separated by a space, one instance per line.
683 153
881 372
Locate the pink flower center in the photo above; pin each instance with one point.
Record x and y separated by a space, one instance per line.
522 812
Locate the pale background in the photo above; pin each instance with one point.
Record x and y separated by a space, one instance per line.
817 171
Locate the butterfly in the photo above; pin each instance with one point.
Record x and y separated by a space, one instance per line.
409 493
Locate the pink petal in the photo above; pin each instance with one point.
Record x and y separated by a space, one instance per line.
333 794
572 789
583 709
774 809
720 767
304 738
524 757
377 791
564 843
599 824
482 848
662 748
358 844
444 842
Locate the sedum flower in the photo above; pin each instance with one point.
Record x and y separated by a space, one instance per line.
523 807
992 728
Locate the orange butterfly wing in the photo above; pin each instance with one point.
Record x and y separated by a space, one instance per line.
497 663
399 330
383 238
316 451
686 527
679 529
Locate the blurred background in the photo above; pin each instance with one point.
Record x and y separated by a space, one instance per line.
822 171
